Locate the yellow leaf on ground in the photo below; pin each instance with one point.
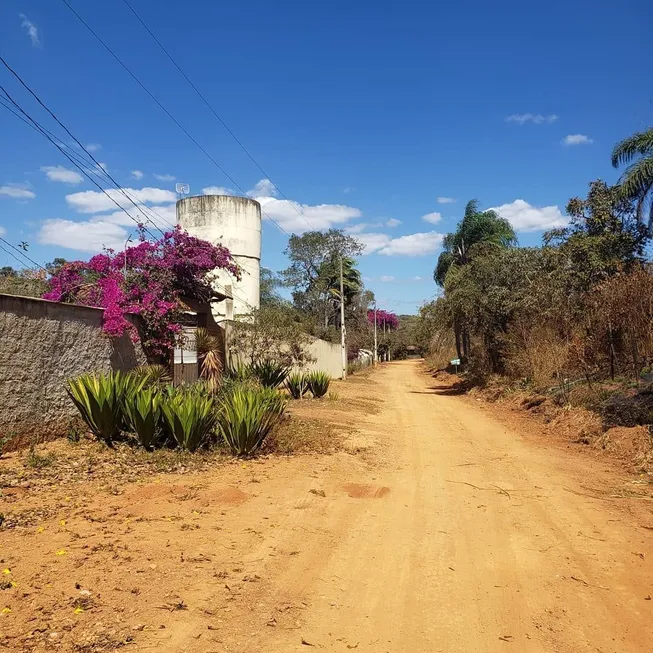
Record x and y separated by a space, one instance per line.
6 572
6 610
78 610
61 552
62 522
40 529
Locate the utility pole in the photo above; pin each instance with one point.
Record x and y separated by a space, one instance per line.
343 331
376 347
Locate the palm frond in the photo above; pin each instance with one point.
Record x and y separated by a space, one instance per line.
626 150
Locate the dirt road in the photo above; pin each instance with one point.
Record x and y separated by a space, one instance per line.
478 544
444 531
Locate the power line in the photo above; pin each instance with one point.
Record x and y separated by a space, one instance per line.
163 108
79 167
214 112
21 252
91 157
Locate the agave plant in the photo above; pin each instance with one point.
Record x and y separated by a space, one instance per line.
99 399
189 417
269 373
297 385
157 375
247 415
318 383
143 415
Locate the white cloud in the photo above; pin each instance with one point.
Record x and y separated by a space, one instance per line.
288 214
386 278
348 189
92 201
164 177
419 244
162 216
217 190
446 200
418 278
524 217
433 218
16 192
63 175
264 188
84 236
535 118
93 147
577 139
392 222
3 231
31 29
137 174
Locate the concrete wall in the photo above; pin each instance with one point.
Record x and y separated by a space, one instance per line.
234 222
41 344
325 355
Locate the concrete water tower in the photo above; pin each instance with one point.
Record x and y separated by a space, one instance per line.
234 222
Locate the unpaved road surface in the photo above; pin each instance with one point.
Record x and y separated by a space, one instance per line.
440 529
480 543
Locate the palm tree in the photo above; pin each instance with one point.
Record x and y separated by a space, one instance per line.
475 227
637 180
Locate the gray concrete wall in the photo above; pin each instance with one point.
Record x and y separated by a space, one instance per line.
43 343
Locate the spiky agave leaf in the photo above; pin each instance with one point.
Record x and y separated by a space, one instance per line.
143 414
189 417
99 399
247 415
318 383
270 373
297 385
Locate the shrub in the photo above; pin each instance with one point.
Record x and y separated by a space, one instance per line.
189 416
297 385
318 383
269 373
143 415
246 416
99 399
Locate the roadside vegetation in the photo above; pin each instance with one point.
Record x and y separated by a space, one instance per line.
570 321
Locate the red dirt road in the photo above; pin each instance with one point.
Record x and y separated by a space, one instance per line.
446 531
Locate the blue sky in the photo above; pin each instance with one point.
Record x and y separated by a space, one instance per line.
368 115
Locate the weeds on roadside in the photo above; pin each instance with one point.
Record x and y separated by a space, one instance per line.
38 461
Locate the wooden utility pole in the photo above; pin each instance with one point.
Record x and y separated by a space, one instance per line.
343 331
376 347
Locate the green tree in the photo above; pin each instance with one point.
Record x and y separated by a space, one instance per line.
314 273
637 180
475 227
477 231
603 237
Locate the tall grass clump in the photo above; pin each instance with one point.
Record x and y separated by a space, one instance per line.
297 385
246 416
99 399
318 383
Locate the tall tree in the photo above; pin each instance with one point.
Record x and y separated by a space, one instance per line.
476 227
478 230
637 180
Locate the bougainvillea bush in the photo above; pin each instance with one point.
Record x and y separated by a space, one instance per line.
383 318
147 279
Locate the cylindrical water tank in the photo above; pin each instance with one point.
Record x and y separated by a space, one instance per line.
234 222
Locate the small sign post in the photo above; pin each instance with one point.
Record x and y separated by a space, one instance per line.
455 362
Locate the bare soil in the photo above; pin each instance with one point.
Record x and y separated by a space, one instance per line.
432 525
